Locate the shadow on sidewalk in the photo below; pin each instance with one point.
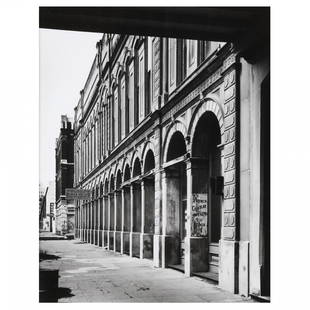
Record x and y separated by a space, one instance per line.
49 290
55 294
45 256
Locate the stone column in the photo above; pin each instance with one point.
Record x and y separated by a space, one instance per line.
98 219
189 185
103 218
90 221
164 218
85 221
122 227
142 218
115 219
157 220
105 207
109 210
131 219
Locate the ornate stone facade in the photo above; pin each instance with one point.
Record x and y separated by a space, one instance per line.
157 140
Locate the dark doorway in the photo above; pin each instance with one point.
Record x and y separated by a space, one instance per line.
207 173
176 201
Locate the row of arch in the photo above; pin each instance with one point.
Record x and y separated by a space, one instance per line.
131 210
177 133
114 179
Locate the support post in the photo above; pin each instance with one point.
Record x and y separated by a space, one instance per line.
142 218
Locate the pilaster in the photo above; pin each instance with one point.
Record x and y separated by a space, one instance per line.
228 267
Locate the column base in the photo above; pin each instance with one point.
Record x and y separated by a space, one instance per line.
106 239
88 235
136 244
228 265
117 238
111 240
96 237
244 268
100 237
196 255
170 250
157 251
126 242
146 245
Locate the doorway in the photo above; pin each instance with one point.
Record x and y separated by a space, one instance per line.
208 183
176 201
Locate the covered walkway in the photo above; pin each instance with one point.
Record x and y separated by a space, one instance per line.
92 274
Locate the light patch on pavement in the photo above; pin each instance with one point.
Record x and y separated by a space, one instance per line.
82 270
99 261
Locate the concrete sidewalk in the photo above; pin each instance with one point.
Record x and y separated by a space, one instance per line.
92 274
46 235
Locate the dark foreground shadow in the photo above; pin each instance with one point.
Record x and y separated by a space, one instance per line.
45 256
55 294
49 290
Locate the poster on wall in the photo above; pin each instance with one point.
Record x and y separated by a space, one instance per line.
199 215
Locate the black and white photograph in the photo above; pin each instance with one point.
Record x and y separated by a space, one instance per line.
168 144
154 154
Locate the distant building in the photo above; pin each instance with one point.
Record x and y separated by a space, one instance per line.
64 177
49 221
42 209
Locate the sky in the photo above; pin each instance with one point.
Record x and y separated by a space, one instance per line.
65 61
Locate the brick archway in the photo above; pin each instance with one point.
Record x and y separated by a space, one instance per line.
148 146
206 105
177 126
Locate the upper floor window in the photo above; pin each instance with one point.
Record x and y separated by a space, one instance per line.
122 106
141 73
172 61
181 60
191 56
204 48
115 115
131 90
191 52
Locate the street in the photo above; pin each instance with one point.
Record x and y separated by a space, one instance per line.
91 274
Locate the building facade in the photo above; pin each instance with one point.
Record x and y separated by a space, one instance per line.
65 209
171 137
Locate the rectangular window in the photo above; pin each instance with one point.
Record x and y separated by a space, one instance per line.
191 52
181 56
115 118
123 94
203 50
131 102
156 68
172 61
191 56
141 83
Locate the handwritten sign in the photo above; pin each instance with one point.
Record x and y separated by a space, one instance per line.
199 215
